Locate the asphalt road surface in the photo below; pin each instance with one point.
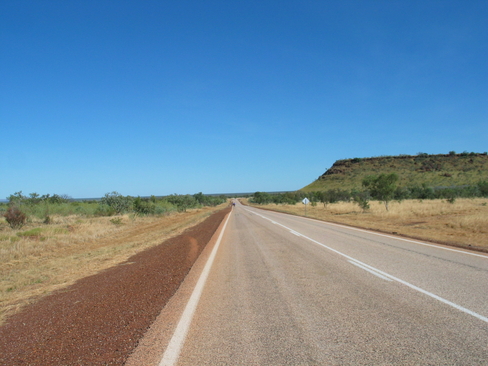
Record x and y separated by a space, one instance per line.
287 290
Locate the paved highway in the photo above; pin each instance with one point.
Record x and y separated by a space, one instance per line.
285 290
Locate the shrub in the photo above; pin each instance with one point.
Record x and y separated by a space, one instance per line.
57 199
161 210
117 202
361 198
483 188
382 187
182 202
144 207
401 193
104 210
261 198
117 221
17 198
15 217
206 200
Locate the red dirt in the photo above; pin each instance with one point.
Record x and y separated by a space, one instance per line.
100 319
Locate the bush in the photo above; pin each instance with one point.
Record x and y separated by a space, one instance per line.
144 207
205 200
362 199
15 217
382 187
162 210
182 202
104 210
117 221
117 202
483 188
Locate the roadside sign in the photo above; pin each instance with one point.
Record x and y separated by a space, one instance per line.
305 202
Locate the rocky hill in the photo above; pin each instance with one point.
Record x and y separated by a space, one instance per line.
442 170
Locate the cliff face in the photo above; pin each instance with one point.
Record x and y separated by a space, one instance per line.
443 170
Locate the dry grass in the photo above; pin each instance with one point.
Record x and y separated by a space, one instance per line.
39 259
463 223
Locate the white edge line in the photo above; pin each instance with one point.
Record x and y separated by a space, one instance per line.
175 345
447 302
439 246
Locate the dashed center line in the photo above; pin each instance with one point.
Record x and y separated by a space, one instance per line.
369 270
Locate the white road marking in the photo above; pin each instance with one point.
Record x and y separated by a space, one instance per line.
175 345
400 238
447 302
294 232
369 270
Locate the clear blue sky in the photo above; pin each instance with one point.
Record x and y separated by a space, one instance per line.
162 97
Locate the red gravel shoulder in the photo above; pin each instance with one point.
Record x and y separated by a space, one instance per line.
100 319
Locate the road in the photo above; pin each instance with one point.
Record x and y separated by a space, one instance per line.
286 290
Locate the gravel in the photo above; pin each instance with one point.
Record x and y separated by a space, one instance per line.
101 318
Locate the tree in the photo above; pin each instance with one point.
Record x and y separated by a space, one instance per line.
262 198
34 198
382 187
361 198
182 202
57 199
16 199
483 188
117 202
200 198
144 206
326 197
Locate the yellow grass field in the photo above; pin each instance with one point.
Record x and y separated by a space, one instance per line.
463 223
39 258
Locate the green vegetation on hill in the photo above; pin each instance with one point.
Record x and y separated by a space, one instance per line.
391 178
436 171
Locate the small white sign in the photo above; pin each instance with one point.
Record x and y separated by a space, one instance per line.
306 201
